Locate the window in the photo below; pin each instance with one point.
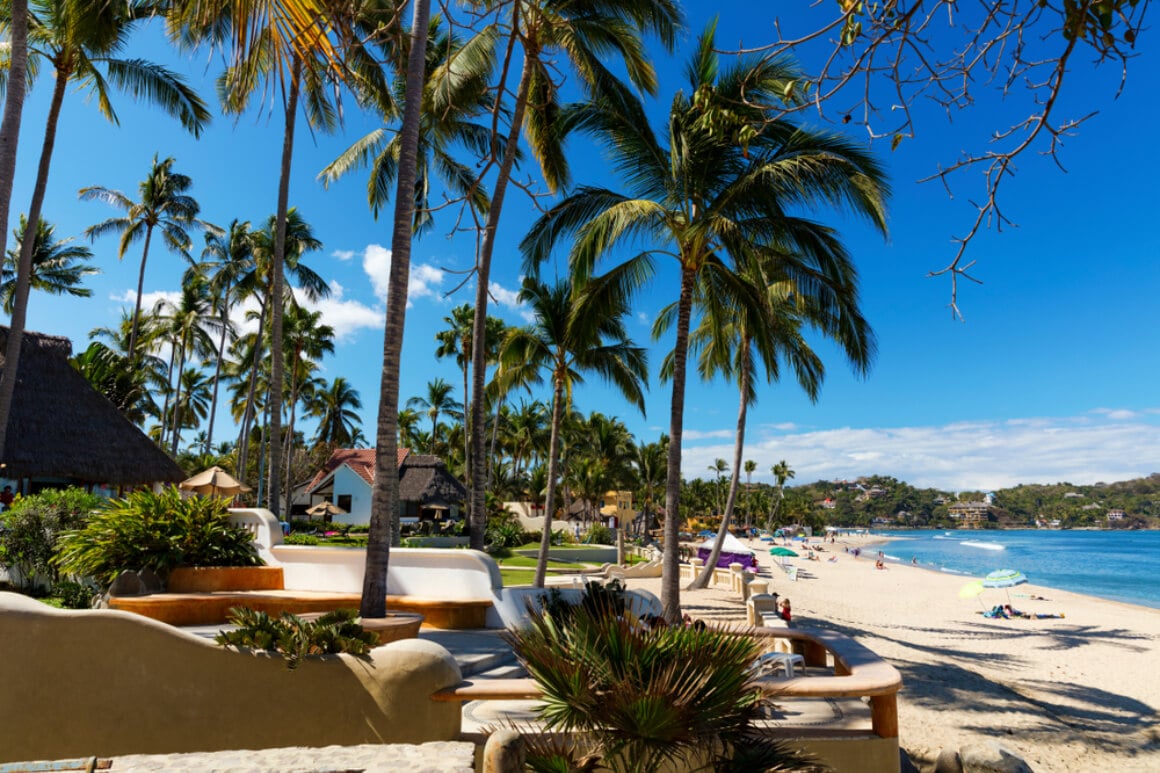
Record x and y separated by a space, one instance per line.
343 501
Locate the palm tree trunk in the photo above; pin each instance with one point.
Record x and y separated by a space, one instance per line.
276 272
738 450
13 111
168 398
24 264
289 451
177 400
248 413
217 371
140 289
385 496
671 564
476 512
491 461
467 410
550 499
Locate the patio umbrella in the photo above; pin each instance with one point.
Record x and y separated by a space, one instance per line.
783 553
215 482
1004 578
325 508
972 590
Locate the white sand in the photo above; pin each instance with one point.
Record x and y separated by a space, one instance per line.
1075 694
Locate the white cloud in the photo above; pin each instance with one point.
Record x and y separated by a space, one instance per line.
347 317
958 456
343 254
1117 414
424 281
148 300
692 434
509 299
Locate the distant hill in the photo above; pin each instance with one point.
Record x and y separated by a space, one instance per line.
883 502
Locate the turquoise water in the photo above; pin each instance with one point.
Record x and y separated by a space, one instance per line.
1117 565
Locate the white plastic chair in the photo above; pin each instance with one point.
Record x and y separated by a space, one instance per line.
771 662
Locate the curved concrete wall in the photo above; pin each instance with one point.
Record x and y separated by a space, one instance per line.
102 682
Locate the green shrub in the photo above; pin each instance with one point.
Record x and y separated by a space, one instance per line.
598 534
297 538
637 700
359 528
155 531
31 528
294 638
73 595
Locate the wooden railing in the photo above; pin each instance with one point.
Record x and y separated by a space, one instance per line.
858 673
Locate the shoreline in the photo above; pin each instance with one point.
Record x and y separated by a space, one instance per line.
1070 695
886 539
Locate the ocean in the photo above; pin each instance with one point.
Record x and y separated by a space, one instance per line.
1117 565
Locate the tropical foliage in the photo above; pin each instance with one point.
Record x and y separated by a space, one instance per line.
639 698
158 532
294 638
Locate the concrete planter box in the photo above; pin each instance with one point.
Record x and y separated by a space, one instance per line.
208 579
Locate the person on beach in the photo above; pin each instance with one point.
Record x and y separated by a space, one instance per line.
879 564
786 612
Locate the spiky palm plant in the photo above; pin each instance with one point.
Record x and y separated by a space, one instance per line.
637 700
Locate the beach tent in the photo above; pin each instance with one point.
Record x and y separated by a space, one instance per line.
732 552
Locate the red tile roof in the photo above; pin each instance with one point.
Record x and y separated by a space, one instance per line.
360 460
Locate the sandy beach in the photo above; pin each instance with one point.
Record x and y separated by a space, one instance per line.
1076 694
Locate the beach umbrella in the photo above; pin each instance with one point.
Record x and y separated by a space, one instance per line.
325 508
215 482
1004 578
706 533
971 589
783 553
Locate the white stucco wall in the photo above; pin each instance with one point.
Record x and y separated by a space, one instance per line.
347 481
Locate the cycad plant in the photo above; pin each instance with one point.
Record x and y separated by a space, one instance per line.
638 700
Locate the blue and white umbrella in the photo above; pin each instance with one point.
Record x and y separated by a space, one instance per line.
1004 578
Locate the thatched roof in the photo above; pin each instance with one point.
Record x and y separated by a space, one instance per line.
425 479
60 427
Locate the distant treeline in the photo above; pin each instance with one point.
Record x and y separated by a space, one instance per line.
878 500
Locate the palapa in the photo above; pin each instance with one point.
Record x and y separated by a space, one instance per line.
60 427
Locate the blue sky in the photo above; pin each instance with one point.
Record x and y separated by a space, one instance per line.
1051 377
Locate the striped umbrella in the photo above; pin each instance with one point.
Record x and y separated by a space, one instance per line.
1004 578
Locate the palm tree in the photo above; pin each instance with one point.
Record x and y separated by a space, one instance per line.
750 468
709 198
164 204
188 326
730 347
385 496
191 406
455 93
76 40
781 473
58 267
306 340
15 86
455 340
337 404
289 39
227 257
649 467
719 467
408 424
548 33
573 332
438 400
298 240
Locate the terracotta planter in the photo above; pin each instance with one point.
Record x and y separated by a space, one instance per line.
208 579
393 627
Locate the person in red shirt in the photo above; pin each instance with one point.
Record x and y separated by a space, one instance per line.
785 611
6 497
